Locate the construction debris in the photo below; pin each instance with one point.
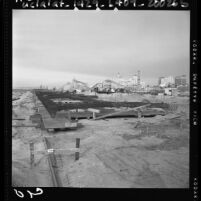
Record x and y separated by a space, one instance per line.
52 123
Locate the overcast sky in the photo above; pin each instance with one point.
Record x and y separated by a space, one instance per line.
52 47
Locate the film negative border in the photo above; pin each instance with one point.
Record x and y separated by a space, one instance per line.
103 194
103 5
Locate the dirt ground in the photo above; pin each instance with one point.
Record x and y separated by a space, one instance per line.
22 172
114 153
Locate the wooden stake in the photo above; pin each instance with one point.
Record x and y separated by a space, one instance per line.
77 154
32 154
94 115
139 114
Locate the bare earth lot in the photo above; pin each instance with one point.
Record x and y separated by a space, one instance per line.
119 152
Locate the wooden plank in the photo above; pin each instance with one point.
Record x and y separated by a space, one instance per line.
93 110
18 119
52 162
175 117
23 125
120 112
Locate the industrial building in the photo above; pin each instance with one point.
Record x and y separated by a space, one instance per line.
167 81
180 80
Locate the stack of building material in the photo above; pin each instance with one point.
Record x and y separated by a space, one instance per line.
81 115
53 123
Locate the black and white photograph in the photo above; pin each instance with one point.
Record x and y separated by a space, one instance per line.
100 99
